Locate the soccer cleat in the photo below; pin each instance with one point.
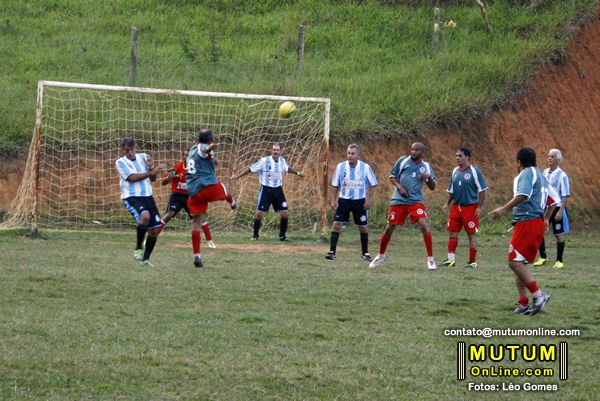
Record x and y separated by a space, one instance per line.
366 257
540 262
471 265
449 263
379 259
254 239
138 254
330 255
146 263
197 262
211 244
431 264
522 309
283 238
539 303
559 265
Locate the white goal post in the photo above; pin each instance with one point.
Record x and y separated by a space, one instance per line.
70 179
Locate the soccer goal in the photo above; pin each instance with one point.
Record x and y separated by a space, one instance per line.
70 179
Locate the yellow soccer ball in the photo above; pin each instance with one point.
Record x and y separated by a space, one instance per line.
286 109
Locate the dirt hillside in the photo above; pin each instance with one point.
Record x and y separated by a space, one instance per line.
560 109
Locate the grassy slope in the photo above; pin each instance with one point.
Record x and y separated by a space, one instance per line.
372 59
80 319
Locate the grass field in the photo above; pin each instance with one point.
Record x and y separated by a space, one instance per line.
80 319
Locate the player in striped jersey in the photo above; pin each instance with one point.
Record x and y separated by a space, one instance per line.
466 194
270 171
558 180
354 184
408 176
203 186
530 219
136 173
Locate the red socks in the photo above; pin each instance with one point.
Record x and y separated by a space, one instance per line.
532 286
472 255
428 243
196 242
452 244
385 240
206 231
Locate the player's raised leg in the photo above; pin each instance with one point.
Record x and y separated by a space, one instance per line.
207 234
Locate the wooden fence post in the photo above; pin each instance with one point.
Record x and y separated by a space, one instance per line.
300 66
435 39
133 70
484 15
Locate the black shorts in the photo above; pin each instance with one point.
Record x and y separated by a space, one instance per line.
138 204
356 206
178 201
562 226
271 196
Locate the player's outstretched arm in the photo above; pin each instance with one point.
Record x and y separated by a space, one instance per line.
298 173
240 175
498 212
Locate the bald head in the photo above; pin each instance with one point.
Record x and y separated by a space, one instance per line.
416 150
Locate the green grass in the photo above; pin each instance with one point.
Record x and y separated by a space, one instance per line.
79 319
373 59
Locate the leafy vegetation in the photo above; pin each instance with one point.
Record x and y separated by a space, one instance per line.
373 58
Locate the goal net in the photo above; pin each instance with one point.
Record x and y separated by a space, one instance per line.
70 180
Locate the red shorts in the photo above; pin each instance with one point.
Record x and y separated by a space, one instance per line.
198 203
526 239
463 216
397 214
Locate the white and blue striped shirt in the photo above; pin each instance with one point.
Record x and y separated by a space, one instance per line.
353 182
270 172
125 168
559 180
